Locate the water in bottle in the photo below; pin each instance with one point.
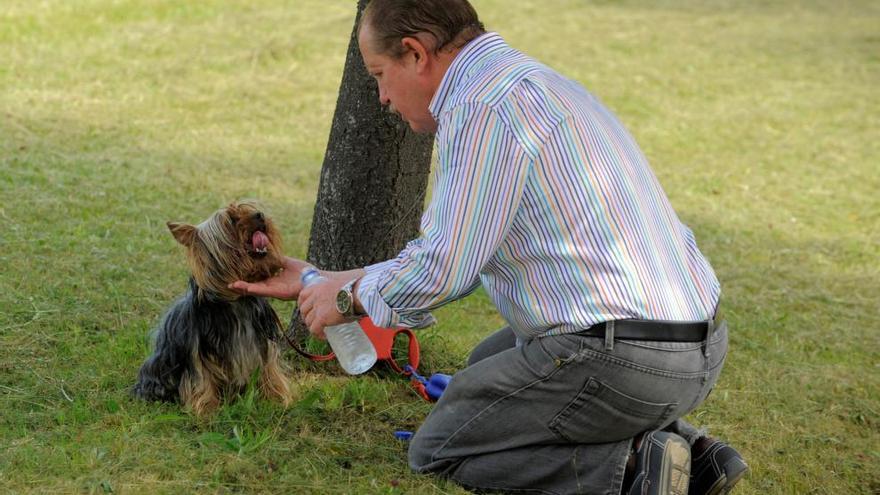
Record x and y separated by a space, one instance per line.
351 345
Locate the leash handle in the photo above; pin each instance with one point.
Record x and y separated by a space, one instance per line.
383 340
412 352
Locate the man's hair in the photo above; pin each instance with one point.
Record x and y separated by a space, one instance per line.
451 23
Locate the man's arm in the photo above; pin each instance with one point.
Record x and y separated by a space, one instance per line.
478 186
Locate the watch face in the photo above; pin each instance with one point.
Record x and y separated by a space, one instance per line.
343 302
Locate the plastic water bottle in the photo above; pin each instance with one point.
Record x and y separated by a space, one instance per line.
351 345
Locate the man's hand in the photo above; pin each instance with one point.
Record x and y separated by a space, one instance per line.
286 285
317 304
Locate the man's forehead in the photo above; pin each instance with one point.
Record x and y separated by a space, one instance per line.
365 37
372 60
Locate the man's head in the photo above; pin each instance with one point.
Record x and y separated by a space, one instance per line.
407 45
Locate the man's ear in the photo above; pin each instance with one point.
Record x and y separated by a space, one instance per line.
184 233
418 49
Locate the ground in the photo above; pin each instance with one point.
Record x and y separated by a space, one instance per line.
759 118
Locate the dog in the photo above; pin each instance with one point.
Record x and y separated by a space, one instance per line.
213 339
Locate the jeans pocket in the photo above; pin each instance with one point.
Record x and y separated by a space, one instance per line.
560 348
599 413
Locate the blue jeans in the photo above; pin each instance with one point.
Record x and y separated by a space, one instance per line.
557 414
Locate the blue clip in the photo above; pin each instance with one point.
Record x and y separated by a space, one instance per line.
434 386
437 385
403 436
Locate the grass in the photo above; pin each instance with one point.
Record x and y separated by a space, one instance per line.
759 118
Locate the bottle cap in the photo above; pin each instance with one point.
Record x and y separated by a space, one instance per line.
308 274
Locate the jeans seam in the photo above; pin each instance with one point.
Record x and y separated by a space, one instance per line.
646 369
637 343
507 489
561 418
480 414
499 487
619 473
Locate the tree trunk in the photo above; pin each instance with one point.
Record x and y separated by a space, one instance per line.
373 179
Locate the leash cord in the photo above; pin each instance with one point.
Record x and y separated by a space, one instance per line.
292 329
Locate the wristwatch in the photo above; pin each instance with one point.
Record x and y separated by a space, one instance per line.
345 300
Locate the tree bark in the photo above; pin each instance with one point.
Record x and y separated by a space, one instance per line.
373 178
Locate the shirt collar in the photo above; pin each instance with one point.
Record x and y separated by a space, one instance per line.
465 64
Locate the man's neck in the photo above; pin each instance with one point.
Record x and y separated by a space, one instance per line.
443 60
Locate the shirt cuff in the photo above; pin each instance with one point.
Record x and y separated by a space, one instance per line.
379 311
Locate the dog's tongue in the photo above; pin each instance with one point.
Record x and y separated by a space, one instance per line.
260 240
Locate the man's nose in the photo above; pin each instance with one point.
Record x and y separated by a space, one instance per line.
383 98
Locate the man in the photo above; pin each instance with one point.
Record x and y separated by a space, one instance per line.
543 198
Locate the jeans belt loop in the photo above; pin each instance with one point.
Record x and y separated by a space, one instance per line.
710 329
609 335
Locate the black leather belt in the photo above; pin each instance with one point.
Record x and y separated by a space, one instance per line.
656 330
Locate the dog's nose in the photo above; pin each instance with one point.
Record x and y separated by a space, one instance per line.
259 216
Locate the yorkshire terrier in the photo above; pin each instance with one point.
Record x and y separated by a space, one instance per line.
212 340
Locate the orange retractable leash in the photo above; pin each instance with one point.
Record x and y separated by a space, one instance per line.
383 339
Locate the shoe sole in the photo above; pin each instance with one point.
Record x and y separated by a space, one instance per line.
675 470
732 472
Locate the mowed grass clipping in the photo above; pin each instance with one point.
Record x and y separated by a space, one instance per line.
760 119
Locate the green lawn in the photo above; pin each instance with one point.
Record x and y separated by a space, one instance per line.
761 120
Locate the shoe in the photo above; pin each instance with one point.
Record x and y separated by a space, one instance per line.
716 470
663 465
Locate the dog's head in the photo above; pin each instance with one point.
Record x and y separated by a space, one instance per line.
238 242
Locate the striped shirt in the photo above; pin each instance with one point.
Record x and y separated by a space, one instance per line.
542 197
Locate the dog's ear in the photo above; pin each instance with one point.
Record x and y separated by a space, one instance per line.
184 233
